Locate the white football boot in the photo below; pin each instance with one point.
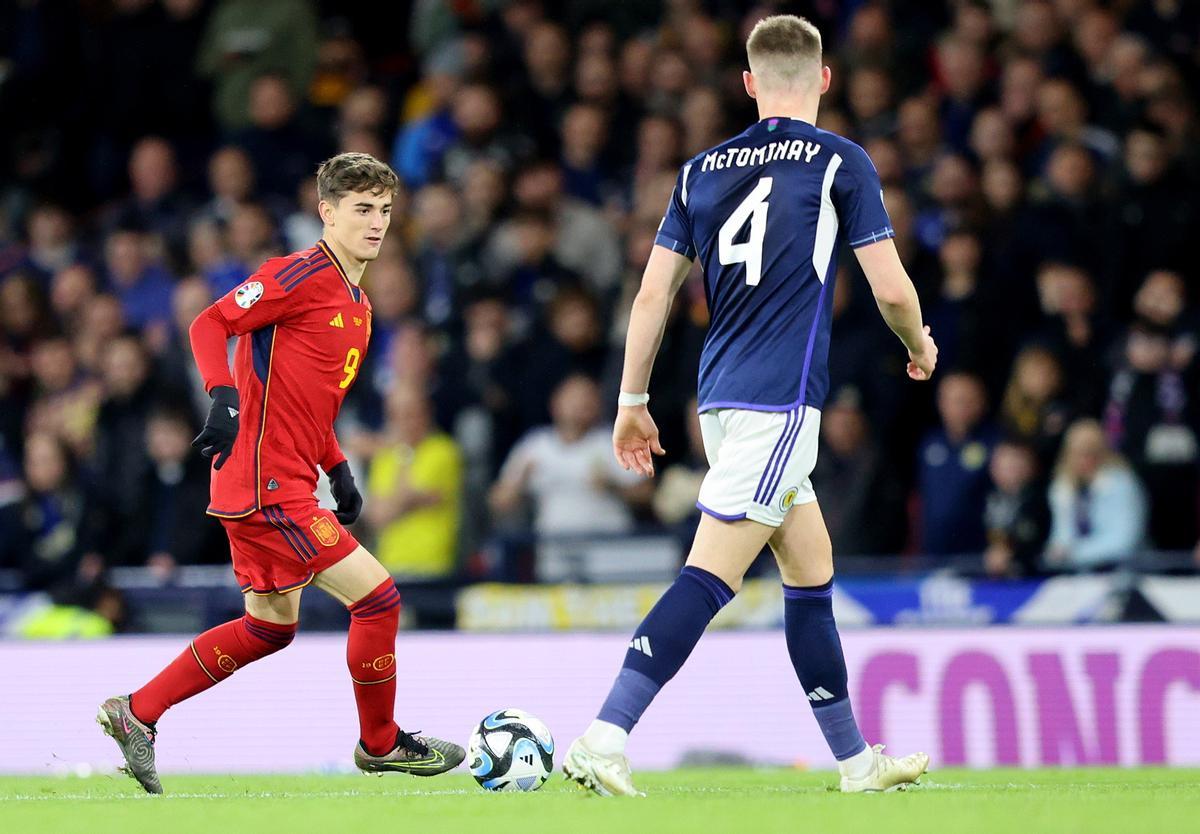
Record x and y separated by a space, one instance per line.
605 775
888 773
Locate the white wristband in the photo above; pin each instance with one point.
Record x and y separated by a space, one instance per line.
627 399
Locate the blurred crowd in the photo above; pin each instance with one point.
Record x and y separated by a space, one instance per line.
1038 158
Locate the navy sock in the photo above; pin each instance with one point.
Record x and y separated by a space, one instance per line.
663 642
816 652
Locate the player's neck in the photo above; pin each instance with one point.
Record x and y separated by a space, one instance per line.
787 108
351 265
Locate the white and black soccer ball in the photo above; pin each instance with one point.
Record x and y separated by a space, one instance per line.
510 750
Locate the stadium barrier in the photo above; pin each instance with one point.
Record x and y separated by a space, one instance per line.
1127 695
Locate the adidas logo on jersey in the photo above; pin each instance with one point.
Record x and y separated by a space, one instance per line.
641 644
820 694
337 321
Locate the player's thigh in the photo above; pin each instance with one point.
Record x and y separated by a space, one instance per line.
727 549
802 547
274 608
353 577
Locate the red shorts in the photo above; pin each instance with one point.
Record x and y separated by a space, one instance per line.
281 547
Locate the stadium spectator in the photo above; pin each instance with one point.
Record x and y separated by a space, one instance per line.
1016 516
429 128
446 260
568 471
582 241
481 133
64 401
1153 414
1032 408
1097 505
414 488
1074 331
174 496
71 293
119 458
572 343
231 181
246 38
861 499
142 286
952 468
156 203
281 147
176 375
1154 217
57 515
53 243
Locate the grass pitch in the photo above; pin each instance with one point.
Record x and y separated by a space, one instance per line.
696 801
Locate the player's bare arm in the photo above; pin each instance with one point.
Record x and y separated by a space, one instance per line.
635 437
897 300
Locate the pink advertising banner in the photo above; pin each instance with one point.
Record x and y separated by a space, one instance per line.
1124 695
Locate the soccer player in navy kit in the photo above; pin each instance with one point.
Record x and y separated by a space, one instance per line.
765 213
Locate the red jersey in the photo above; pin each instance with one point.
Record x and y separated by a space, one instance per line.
303 329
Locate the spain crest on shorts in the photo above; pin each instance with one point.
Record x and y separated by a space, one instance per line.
325 531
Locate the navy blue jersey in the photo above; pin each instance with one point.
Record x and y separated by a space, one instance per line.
765 211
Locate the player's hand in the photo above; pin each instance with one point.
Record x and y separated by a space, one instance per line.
349 499
635 439
921 365
221 427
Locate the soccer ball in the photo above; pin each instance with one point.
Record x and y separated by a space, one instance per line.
511 750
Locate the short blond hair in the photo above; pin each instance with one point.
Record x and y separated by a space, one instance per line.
784 50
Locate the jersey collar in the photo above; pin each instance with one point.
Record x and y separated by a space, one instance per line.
355 293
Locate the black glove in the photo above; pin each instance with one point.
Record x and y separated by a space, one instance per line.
349 501
221 427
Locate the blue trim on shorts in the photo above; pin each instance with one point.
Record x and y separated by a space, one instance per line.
720 516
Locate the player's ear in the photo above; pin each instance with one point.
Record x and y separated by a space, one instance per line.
325 209
748 80
826 77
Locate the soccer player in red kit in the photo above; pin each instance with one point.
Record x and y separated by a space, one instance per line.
303 325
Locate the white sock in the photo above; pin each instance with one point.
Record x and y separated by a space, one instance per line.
858 765
605 738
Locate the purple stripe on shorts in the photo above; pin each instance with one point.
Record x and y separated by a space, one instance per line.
787 456
288 535
779 444
718 515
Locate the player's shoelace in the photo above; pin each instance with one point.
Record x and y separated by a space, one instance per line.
411 743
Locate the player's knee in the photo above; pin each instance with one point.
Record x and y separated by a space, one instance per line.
383 603
263 637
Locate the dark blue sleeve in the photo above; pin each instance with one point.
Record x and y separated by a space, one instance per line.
859 199
675 230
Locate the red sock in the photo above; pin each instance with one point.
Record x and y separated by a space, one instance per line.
371 656
209 659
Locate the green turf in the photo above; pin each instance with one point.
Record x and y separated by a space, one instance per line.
697 801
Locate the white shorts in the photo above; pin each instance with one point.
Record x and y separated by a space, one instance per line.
759 462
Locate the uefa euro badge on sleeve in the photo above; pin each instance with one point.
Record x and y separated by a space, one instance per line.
247 294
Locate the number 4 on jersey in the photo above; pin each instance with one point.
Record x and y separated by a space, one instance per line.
755 208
